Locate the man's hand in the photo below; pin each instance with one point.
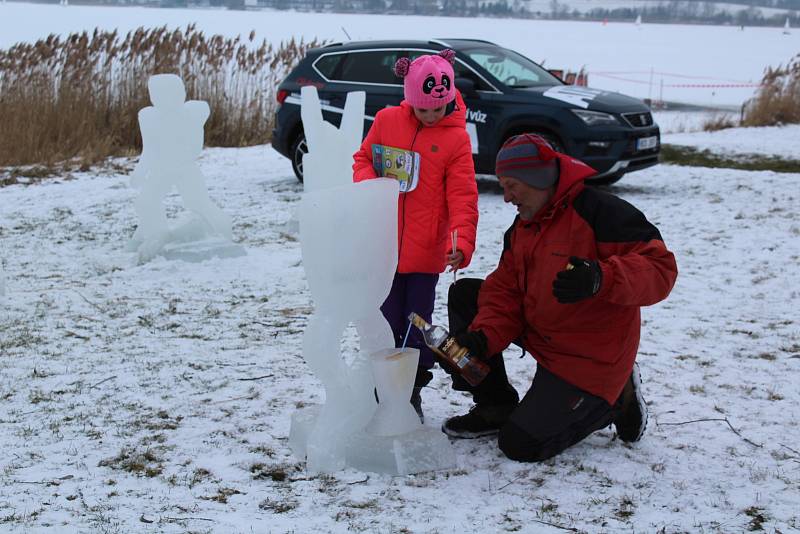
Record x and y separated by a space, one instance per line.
475 342
580 280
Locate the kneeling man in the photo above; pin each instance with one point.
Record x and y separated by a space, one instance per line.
577 265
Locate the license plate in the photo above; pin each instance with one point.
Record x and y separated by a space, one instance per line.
647 142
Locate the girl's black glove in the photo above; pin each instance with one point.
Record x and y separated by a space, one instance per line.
582 281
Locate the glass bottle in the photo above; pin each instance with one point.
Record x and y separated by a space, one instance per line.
472 369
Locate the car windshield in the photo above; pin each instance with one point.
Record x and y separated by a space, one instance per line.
512 69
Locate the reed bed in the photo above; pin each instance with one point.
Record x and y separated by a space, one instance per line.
778 98
77 98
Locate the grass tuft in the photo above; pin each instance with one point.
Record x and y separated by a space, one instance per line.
719 121
146 463
692 157
757 518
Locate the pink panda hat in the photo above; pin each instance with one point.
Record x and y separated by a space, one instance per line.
428 81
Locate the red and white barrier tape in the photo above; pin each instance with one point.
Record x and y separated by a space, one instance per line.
684 85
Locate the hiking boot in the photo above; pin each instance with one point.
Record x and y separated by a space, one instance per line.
416 402
632 418
479 421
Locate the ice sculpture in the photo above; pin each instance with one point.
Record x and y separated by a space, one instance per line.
348 239
172 139
329 161
393 371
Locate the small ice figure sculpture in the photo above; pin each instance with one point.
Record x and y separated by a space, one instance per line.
172 139
348 239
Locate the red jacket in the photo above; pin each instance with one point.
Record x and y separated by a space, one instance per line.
446 197
591 344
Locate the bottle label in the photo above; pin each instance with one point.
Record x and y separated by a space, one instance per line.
447 345
458 355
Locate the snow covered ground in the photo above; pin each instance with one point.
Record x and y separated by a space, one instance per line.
157 397
780 141
709 65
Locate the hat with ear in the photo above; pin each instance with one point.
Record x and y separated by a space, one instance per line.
428 81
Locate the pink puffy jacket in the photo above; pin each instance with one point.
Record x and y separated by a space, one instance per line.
446 197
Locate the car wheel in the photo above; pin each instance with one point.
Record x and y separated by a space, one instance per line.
553 140
298 149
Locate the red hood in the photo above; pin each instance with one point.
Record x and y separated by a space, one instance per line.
570 171
457 119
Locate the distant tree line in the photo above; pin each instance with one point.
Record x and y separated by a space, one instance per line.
678 11
684 11
671 11
667 11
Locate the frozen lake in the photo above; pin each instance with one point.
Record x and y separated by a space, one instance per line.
709 65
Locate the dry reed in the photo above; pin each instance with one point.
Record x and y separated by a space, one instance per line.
78 97
720 121
778 99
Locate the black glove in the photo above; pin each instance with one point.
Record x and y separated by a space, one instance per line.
475 342
580 282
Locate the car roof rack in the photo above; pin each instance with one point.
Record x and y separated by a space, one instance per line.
333 44
444 41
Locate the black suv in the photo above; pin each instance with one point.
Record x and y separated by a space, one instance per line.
505 93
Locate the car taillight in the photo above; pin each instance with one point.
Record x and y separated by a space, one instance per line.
282 94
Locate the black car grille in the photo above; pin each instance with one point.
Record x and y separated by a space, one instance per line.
638 120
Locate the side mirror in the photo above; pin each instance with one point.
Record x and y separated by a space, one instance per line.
467 87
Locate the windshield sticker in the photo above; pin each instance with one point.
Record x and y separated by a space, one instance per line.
571 94
476 116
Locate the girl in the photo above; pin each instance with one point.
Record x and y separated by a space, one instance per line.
430 122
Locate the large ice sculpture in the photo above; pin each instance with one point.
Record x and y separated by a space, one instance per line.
348 239
172 139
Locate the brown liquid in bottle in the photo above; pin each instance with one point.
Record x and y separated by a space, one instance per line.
447 349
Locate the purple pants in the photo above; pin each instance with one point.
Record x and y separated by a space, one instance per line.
412 292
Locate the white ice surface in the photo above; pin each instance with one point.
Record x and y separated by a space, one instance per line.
711 65
192 371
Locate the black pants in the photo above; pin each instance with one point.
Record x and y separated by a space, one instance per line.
552 416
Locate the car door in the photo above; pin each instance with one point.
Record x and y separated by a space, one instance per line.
484 111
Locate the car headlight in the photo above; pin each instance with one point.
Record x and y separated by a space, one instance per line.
595 118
